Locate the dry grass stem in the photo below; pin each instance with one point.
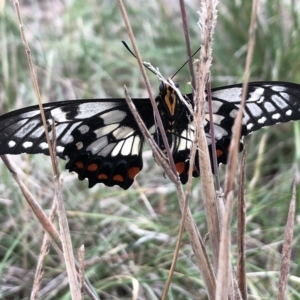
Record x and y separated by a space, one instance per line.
43 252
241 228
236 131
65 234
224 274
187 42
213 139
147 83
259 161
36 86
287 247
81 270
207 23
156 150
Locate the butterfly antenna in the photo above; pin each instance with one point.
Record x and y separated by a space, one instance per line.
131 52
186 62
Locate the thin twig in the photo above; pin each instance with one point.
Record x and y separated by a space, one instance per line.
187 43
287 247
156 150
241 228
207 21
147 82
212 135
43 252
235 141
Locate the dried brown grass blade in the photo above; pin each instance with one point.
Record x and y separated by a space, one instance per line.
287 247
65 234
235 141
241 228
207 22
224 275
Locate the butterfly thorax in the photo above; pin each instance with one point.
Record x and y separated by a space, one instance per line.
174 114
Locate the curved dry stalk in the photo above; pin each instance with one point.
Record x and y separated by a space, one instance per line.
147 83
194 236
236 131
287 247
241 228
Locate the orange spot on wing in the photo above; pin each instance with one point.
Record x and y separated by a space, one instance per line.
219 152
118 178
180 166
132 172
79 164
92 167
102 176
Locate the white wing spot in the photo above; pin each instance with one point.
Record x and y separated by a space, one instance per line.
98 145
79 145
136 146
70 139
59 149
261 100
233 113
256 94
106 150
90 109
152 129
250 125
278 88
262 120
278 100
254 109
58 115
43 145
288 112
276 116
24 129
83 129
286 96
27 144
229 95
269 107
126 149
122 132
30 114
106 130
113 117
116 151
11 144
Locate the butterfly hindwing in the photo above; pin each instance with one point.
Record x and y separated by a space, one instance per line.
107 148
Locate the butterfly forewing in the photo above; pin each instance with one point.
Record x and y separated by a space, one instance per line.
267 103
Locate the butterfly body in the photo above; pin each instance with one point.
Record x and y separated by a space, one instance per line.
101 141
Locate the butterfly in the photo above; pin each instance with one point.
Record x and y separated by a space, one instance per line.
101 141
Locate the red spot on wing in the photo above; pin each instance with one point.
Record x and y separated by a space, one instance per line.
79 164
180 166
219 152
92 167
102 176
132 172
118 178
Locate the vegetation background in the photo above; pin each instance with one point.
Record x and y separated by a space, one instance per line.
130 235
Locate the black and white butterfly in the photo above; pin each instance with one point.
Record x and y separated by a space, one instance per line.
101 141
